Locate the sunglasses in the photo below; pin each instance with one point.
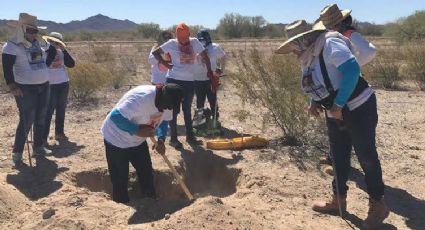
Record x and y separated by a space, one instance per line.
31 31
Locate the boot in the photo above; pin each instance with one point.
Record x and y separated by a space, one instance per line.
377 213
329 170
325 160
331 206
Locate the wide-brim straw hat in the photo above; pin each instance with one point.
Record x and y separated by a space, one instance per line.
330 16
294 31
55 37
26 20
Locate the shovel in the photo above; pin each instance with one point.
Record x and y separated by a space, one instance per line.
176 175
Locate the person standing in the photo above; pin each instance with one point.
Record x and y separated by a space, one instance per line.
59 87
331 77
204 86
183 51
25 71
158 76
334 19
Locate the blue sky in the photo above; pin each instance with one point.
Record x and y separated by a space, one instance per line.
207 13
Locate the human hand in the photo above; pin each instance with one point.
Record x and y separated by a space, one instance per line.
160 147
315 109
336 112
145 131
15 90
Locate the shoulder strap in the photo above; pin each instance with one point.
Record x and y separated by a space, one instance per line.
325 74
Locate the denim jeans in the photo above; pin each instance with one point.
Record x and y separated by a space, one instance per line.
32 108
358 130
57 101
189 91
203 91
118 168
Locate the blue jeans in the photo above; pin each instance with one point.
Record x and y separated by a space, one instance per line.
358 130
57 101
189 91
32 108
203 91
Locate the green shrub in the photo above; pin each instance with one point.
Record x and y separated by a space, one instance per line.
86 78
273 82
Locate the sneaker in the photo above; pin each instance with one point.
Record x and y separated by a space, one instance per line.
42 151
377 213
61 137
191 139
331 206
176 144
17 159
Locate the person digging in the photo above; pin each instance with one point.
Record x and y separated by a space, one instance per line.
125 130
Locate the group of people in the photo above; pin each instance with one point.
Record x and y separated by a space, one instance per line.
331 54
34 71
180 68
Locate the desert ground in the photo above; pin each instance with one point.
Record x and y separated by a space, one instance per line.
267 188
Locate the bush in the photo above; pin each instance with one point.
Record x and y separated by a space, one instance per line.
273 82
415 57
409 28
103 53
384 71
3 86
86 78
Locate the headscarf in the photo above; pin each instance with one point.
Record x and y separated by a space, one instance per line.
182 33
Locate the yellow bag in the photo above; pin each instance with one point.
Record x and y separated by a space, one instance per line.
237 143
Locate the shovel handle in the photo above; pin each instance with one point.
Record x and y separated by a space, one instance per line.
176 175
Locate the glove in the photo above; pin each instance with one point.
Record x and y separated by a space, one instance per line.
215 81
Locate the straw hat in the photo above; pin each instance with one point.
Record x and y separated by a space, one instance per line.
26 20
296 30
55 37
330 16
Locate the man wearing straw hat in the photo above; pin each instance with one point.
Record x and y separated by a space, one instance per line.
334 19
59 86
25 64
331 77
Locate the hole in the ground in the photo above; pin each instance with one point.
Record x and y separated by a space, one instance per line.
204 174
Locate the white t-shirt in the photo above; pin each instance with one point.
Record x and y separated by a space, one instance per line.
214 52
30 66
335 53
158 72
138 106
183 58
57 71
364 51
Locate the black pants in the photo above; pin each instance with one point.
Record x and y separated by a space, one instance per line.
358 130
189 92
203 91
118 167
32 108
58 100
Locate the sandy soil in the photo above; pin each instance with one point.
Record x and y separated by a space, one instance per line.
270 188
